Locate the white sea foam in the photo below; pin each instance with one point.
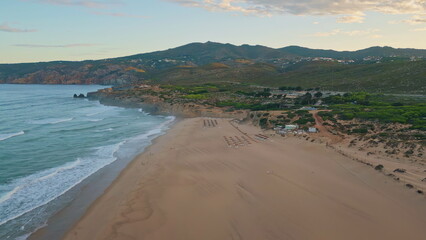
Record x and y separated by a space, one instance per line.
8 195
96 120
105 130
5 136
94 113
156 131
25 236
50 121
27 197
39 189
36 190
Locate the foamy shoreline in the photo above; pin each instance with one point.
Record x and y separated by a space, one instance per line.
90 189
192 184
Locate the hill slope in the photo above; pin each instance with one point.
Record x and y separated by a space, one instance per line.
390 77
212 62
356 55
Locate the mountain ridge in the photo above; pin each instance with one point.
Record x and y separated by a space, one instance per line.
255 64
288 50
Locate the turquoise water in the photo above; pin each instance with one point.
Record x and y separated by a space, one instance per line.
50 142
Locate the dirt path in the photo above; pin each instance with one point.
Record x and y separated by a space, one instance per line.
323 131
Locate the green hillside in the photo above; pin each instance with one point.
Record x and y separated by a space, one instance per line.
390 70
390 77
394 77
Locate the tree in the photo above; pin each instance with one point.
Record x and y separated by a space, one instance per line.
318 95
306 99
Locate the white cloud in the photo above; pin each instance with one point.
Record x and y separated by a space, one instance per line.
6 28
416 19
376 36
353 10
419 29
358 18
413 20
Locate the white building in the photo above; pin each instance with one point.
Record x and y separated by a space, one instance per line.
312 130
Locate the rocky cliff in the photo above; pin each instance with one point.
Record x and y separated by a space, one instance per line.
154 105
70 73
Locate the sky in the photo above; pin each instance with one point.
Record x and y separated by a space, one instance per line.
50 30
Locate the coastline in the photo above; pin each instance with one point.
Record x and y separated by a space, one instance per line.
88 191
190 185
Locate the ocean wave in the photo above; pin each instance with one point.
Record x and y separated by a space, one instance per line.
50 121
142 111
8 195
27 194
156 131
96 120
5 136
95 113
36 190
105 130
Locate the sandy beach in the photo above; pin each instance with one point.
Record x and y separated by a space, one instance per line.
212 180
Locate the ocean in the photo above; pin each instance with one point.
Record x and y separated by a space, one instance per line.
50 142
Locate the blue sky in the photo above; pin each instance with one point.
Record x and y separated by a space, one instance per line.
46 30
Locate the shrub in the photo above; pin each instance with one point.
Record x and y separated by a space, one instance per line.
360 130
379 167
263 122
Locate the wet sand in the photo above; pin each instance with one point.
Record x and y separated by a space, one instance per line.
212 181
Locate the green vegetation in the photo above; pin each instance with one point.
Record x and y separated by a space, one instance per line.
387 77
197 89
263 122
249 106
370 107
196 96
284 88
200 63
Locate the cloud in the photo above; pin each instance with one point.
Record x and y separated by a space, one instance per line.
419 29
376 36
351 18
413 20
6 28
79 3
125 15
226 5
416 19
353 10
55 46
371 33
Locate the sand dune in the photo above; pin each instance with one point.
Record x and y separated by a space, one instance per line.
214 182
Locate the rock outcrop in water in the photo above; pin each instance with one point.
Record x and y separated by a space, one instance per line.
81 95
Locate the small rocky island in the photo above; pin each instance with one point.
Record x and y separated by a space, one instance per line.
81 95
